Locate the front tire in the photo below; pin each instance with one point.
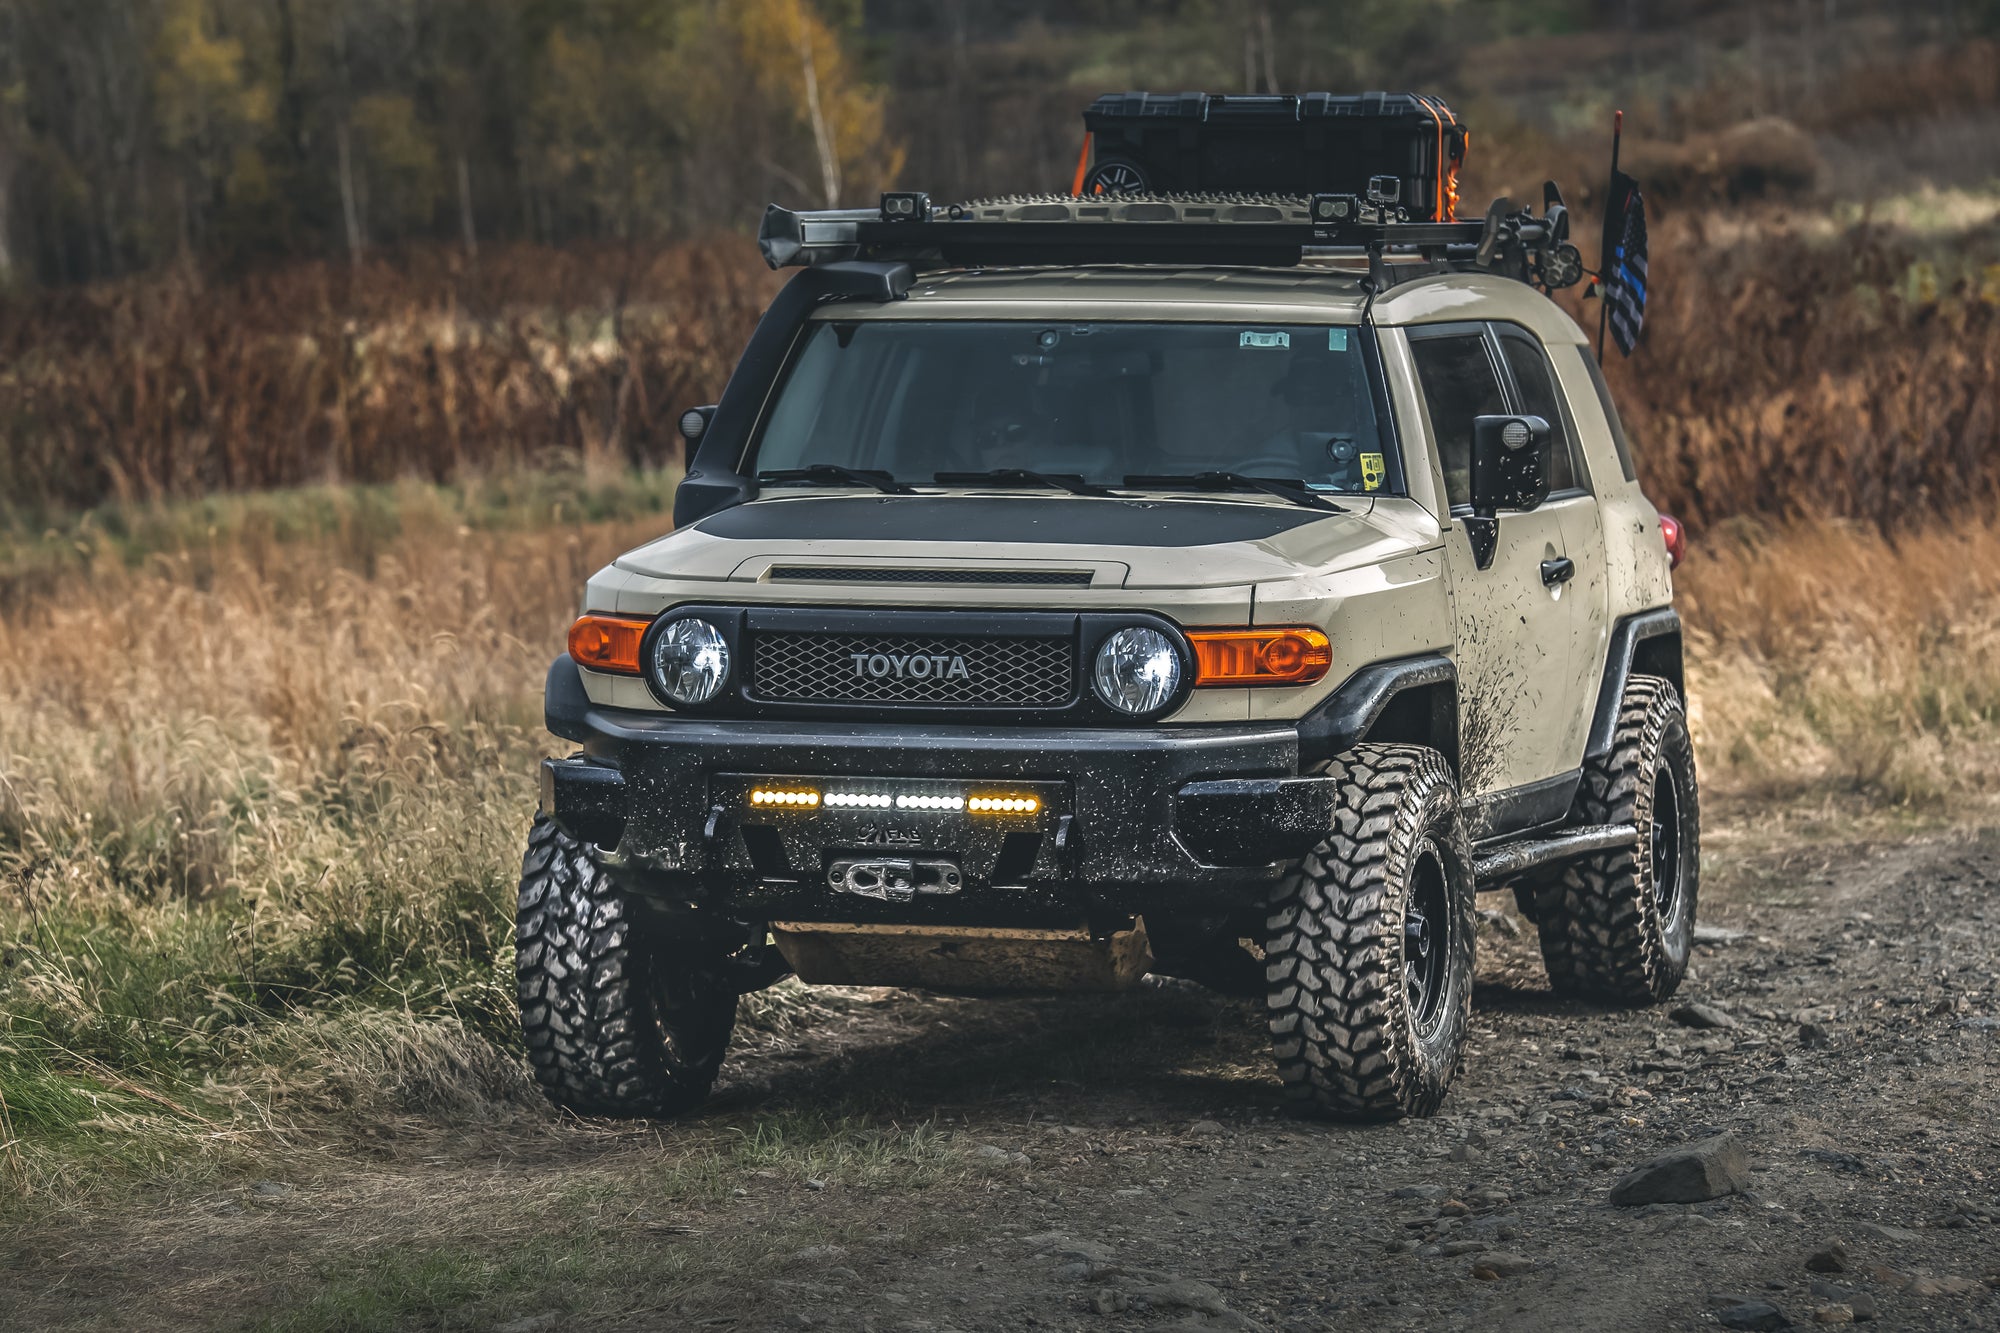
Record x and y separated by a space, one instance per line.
617 1021
1618 927
1368 944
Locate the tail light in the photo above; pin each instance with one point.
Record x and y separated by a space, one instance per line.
1676 539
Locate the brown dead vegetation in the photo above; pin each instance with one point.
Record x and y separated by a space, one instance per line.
1795 370
1788 368
423 366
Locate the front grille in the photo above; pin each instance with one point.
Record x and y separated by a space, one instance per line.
1037 578
1011 672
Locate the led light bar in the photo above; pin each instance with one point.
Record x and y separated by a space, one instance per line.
807 798
930 803
772 796
859 800
1003 805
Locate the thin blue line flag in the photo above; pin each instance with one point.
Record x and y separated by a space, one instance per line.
1623 279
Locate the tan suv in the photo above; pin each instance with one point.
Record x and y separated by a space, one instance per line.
1069 589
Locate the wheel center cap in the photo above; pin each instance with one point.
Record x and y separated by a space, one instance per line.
1417 936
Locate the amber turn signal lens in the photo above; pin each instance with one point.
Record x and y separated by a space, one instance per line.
607 643
1260 656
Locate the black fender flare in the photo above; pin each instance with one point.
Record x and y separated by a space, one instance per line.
1648 642
564 701
1351 713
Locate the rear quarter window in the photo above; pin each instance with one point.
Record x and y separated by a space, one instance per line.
1618 440
1535 385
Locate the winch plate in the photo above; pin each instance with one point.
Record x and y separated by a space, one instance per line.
894 879
964 959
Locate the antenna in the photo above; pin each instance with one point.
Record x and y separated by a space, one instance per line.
1603 306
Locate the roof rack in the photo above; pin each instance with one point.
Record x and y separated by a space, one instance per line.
1231 230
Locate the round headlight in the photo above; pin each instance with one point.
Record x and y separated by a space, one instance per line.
690 661
1137 671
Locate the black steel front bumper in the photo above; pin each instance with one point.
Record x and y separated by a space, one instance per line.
1190 818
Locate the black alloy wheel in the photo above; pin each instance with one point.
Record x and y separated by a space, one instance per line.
1427 943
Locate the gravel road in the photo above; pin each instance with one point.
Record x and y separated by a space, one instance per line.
1841 1026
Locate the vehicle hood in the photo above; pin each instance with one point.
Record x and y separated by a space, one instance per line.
1151 542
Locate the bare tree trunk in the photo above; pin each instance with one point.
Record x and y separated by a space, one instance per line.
465 224
829 165
1270 48
6 199
350 210
185 229
960 156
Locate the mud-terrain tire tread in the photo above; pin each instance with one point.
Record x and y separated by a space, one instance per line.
1333 949
1600 928
616 1023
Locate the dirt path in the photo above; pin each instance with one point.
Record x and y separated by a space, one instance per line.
1126 1164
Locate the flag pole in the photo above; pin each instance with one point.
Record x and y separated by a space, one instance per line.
1603 260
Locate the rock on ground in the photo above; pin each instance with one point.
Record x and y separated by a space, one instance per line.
1706 1169
1753 1315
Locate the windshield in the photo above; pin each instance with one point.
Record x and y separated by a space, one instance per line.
1101 401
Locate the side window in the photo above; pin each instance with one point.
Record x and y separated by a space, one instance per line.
1459 384
1536 382
1618 440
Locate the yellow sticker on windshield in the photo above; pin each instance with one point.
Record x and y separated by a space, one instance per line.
1373 470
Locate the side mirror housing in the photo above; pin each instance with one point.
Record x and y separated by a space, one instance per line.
1510 471
694 424
1510 464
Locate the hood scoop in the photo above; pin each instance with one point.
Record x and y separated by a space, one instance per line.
986 578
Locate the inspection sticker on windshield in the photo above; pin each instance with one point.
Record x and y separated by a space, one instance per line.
1256 338
1336 340
1373 470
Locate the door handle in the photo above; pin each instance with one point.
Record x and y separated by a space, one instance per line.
1559 570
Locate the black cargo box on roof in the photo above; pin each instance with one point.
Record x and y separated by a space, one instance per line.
1290 144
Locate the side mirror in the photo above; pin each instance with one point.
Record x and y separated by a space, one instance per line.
694 424
1510 471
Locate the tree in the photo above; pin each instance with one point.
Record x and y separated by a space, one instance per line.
207 111
794 56
132 131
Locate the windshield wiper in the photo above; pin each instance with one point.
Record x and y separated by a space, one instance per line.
833 474
1295 491
1020 476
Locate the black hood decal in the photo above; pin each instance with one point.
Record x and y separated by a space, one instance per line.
1065 520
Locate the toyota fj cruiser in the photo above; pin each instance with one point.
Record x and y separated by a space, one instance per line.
1070 588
